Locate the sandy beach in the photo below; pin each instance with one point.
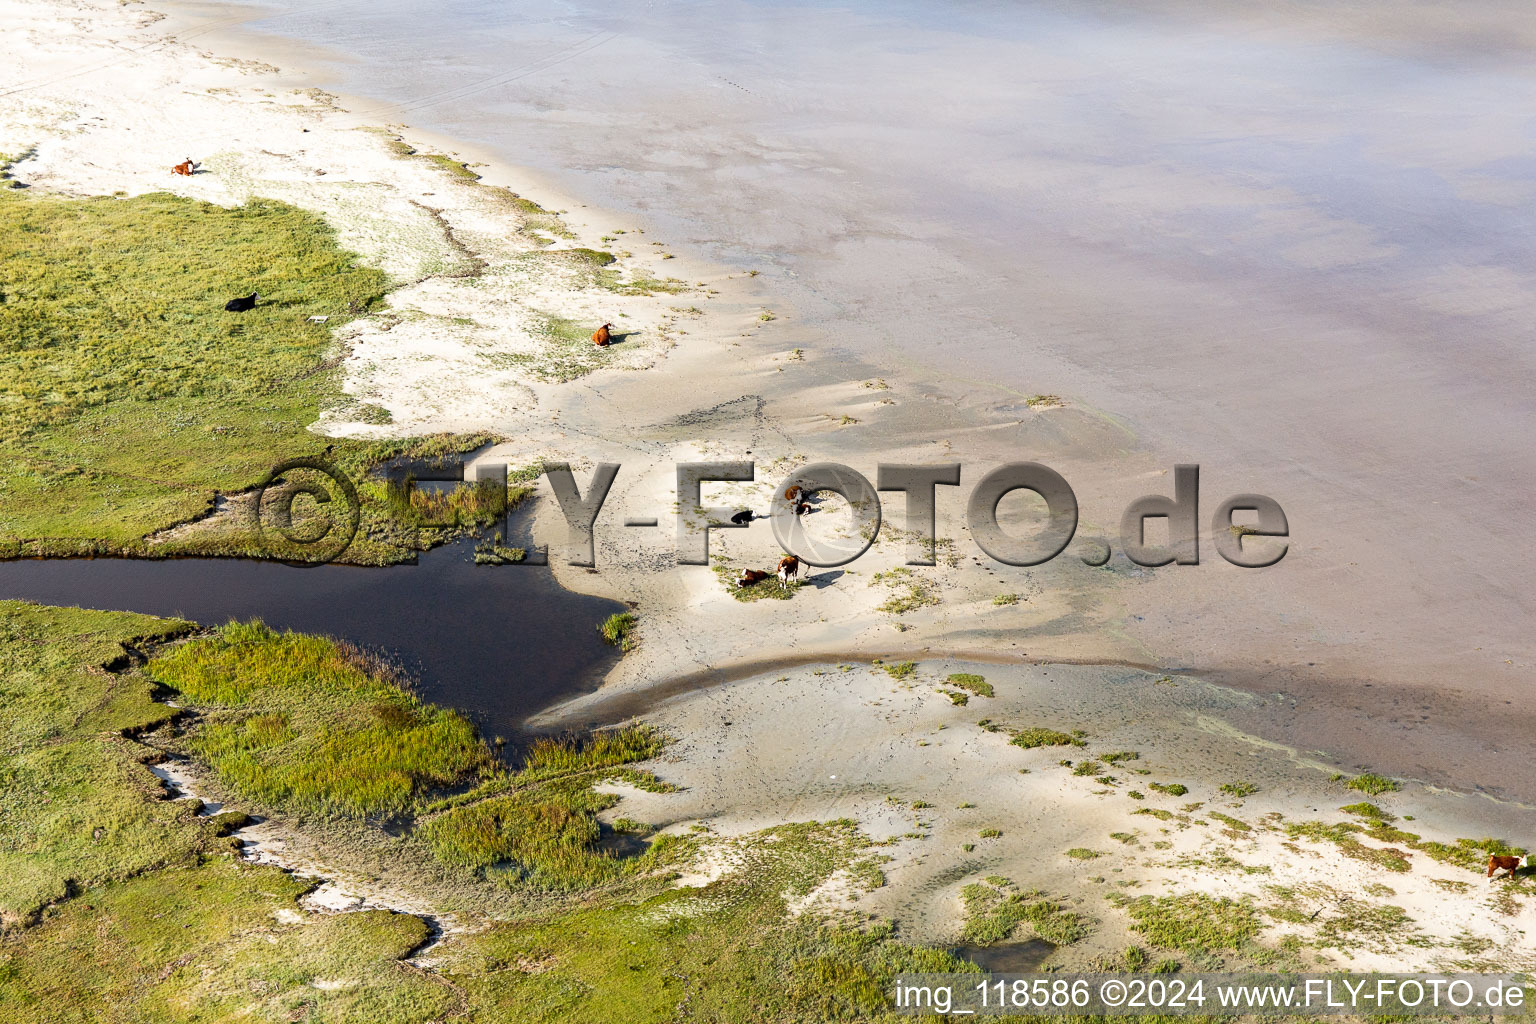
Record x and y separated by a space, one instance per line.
839 702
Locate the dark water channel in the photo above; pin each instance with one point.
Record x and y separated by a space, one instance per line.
496 642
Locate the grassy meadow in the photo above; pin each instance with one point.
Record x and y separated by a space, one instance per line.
78 807
129 397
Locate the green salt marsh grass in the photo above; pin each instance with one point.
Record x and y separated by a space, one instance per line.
1213 930
1039 736
203 943
310 726
618 630
994 910
129 397
970 682
128 394
1372 784
538 825
727 952
209 943
123 906
78 806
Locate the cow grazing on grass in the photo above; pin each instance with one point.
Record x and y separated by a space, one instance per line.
242 304
185 168
1497 863
750 576
602 337
789 568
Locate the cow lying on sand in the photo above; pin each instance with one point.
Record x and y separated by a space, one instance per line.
185 168
602 337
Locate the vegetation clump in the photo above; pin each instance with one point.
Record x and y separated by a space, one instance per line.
1039 736
911 592
618 630
971 683
457 168
493 552
1343 835
1369 811
538 826
590 257
1233 824
994 910
1205 926
1372 784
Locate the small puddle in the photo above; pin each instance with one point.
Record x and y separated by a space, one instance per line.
620 845
1008 957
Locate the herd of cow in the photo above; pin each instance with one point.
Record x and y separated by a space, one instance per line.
789 566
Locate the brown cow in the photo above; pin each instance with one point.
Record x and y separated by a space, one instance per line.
793 494
601 337
751 576
184 168
1496 863
789 568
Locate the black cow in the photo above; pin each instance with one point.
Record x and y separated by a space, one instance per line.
242 304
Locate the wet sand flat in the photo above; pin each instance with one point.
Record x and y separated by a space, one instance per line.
1292 247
